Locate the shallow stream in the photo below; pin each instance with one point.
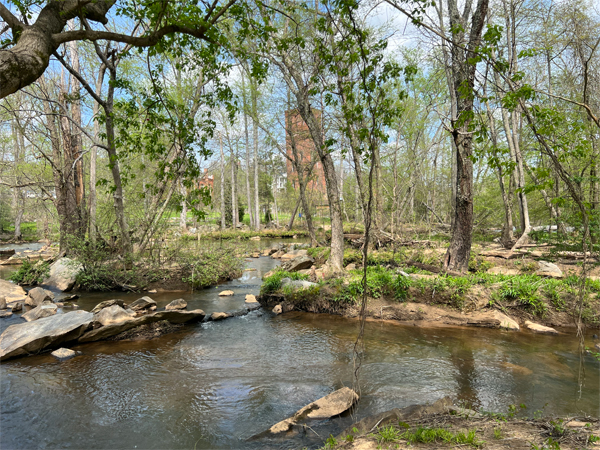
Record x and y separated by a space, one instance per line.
215 384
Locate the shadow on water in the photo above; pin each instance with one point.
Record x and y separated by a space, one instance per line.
215 384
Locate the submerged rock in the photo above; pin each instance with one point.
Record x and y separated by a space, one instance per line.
46 333
537 328
176 305
63 274
63 354
37 296
326 407
39 312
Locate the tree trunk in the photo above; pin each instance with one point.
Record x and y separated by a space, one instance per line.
94 156
234 206
247 146
222 184
118 197
463 76
254 94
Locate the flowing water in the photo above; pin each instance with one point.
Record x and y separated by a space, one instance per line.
213 385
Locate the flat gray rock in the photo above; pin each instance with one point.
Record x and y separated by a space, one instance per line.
39 312
175 317
43 334
297 284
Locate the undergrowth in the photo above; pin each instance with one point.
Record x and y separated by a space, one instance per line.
31 274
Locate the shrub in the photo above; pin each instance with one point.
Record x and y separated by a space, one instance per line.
31 274
273 282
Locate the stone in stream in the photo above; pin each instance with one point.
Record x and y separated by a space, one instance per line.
176 304
299 263
537 328
277 309
174 317
5 314
2 302
218 316
63 274
16 307
326 407
12 292
142 303
106 304
250 299
37 296
113 314
46 333
62 354
226 293
46 309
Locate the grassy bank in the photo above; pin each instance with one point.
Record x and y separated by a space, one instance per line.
525 296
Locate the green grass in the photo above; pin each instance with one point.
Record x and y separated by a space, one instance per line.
428 435
273 283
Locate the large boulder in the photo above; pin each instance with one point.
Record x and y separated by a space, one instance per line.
299 263
43 334
63 274
175 317
112 315
37 296
39 312
11 292
547 269
142 303
176 305
106 304
326 407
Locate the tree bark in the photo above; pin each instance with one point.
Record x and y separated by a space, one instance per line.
463 76
222 184
247 146
254 95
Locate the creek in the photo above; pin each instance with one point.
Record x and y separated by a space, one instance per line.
213 385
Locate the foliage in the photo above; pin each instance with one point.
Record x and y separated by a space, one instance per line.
31 274
209 266
273 283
